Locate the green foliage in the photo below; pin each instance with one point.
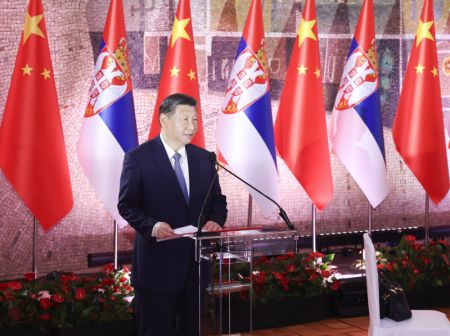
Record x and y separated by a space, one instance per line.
415 265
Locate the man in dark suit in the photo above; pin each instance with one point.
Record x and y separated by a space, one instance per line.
163 185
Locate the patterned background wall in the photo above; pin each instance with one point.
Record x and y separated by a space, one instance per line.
74 29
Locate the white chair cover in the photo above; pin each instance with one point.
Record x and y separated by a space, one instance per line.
422 322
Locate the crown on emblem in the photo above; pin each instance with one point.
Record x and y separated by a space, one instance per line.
121 55
262 56
372 55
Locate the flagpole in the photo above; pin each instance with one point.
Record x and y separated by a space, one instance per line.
35 233
250 210
370 218
115 243
427 217
313 227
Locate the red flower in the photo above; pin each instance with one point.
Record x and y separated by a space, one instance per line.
29 276
291 268
326 273
15 285
80 294
316 255
107 282
410 238
108 268
45 303
44 317
335 285
57 298
126 269
123 279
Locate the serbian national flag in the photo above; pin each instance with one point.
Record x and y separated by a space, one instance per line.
356 128
179 74
300 128
109 125
32 151
418 128
245 130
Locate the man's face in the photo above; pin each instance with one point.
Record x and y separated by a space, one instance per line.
179 128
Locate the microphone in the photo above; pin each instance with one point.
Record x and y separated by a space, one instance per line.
201 217
282 213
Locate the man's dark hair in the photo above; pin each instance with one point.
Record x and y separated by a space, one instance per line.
171 102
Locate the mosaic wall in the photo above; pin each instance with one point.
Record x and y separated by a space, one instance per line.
75 27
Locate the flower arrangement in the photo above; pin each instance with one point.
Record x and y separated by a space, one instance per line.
415 265
276 278
62 300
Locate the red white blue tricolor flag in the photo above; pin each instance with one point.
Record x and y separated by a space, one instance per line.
109 125
356 129
244 131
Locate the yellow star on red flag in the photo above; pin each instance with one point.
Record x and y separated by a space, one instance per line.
305 31
174 71
31 26
45 73
179 30
26 70
423 32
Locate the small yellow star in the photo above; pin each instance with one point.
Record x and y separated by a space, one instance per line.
174 71
191 74
179 30
26 70
419 69
317 72
434 71
423 31
302 70
46 73
305 30
31 26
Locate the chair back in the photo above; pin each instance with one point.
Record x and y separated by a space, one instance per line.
373 296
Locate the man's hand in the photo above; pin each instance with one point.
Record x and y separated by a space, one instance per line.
163 230
211 226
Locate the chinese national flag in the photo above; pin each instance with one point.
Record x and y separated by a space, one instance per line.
179 74
418 128
300 128
32 151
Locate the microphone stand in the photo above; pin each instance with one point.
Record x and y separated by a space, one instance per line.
282 213
201 217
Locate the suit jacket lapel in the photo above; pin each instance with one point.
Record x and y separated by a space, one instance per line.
163 162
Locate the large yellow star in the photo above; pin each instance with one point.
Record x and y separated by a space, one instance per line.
305 30
174 71
26 70
31 26
302 70
191 74
45 73
423 31
179 30
419 68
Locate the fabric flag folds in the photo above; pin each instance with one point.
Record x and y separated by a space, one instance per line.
300 128
179 74
244 132
418 128
356 128
109 125
32 151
